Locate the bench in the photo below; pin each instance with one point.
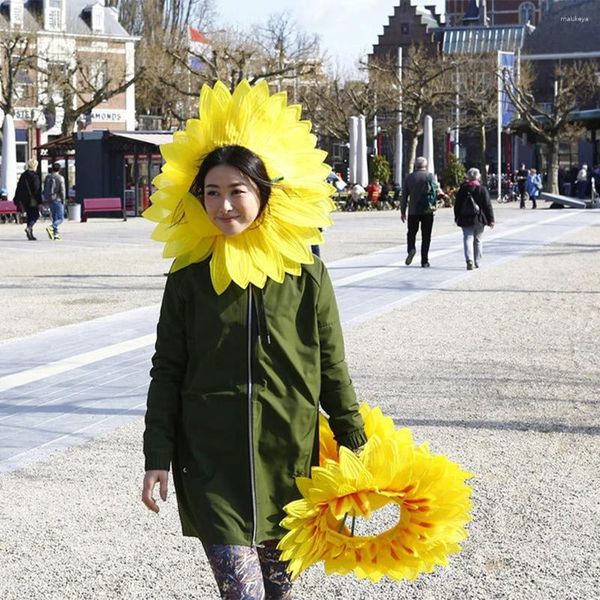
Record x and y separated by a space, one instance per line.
9 208
559 201
97 205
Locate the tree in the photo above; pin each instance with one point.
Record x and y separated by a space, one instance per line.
474 82
17 59
75 86
380 168
423 87
574 85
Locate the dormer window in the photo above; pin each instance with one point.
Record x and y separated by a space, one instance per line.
16 13
97 18
53 16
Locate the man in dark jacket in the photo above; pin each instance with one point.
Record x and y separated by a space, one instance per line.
28 196
415 186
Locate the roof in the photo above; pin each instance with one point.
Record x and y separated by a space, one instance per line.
146 137
77 18
567 28
481 40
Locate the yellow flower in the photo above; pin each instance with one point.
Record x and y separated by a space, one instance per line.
429 489
300 200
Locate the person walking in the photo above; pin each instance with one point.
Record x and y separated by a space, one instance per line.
521 180
472 212
582 183
249 342
54 196
28 195
420 215
534 186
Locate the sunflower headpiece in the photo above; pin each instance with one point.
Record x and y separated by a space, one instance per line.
429 490
299 203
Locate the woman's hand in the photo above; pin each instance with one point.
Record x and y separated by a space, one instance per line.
151 478
491 225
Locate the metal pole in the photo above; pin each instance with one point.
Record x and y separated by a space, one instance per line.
399 140
499 128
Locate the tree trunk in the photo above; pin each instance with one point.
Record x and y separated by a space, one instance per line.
553 165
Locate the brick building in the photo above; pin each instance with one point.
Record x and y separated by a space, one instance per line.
59 33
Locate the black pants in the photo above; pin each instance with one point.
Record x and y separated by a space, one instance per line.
426 222
522 195
33 214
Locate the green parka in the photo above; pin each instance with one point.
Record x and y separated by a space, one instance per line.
233 403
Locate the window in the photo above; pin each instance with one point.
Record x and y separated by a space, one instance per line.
54 15
98 74
97 18
526 13
16 13
404 29
23 79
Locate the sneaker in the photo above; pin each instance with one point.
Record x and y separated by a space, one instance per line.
50 232
28 233
477 265
425 265
409 258
469 265
57 236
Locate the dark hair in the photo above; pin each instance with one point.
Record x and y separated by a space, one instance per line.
241 158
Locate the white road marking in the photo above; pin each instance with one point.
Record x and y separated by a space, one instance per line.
382 270
9 382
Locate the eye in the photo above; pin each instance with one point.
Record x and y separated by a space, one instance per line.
238 191
211 193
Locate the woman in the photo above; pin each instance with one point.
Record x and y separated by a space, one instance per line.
29 195
534 186
472 212
248 347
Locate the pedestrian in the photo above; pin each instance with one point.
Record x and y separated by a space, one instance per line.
28 196
54 196
387 189
374 193
357 197
521 181
534 186
249 342
472 212
582 182
420 214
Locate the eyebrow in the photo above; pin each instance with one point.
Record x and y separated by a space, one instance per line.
234 184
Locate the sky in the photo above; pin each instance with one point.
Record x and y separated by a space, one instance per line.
347 28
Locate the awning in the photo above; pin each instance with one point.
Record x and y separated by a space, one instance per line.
156 139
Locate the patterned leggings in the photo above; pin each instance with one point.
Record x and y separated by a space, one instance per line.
245 573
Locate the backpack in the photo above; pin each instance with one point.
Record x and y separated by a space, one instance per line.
50 188
429 199
470 209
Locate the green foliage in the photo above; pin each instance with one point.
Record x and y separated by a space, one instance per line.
380 168
454 172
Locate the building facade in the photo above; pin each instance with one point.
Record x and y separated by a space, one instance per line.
80 42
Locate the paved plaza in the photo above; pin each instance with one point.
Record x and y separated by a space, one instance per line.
498 368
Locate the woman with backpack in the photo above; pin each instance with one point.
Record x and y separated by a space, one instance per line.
472 212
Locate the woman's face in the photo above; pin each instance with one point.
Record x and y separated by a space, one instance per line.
231 199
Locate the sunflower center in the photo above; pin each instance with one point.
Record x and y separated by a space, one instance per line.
380 521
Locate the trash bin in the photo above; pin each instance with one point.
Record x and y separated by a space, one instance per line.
74 212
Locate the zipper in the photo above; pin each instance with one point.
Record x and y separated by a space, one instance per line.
251 421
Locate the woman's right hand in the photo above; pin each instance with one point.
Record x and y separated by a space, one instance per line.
151 478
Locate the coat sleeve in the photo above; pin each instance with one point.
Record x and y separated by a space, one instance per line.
487 206
168 370
337 398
